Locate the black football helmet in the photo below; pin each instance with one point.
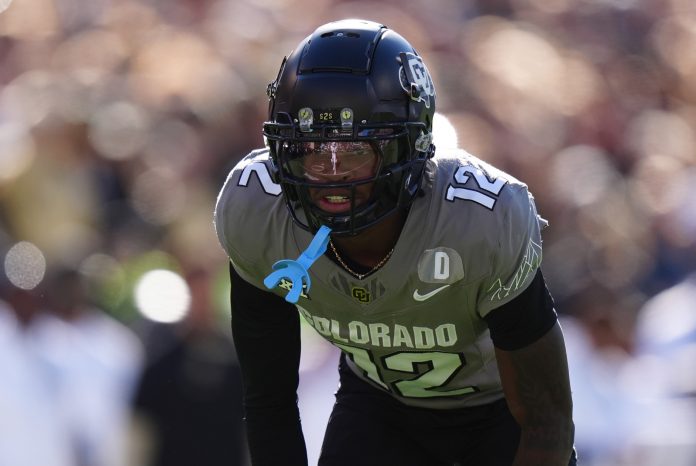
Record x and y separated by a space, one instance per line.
354 84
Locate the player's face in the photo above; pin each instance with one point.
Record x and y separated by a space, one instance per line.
339 162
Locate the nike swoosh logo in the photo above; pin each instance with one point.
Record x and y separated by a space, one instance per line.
422 297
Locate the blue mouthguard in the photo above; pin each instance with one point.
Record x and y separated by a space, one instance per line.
297 271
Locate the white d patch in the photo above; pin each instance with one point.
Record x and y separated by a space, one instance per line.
440 265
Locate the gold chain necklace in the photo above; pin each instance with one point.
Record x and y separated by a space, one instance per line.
357 275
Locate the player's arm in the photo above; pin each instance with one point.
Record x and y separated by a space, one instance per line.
533 368
266 332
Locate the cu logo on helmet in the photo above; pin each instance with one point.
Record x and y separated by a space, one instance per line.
421 77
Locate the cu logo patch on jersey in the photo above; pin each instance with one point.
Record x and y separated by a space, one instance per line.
363 293
440 266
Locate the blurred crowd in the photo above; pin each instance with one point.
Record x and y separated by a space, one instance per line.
119 120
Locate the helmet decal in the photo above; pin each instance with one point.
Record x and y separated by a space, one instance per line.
415 78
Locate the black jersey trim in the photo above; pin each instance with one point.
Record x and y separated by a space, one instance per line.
525 319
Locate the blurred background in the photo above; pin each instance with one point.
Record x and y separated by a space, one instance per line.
119 121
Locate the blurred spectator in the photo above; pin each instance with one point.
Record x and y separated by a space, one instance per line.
606 411
29 409
189 397
70 365
666 340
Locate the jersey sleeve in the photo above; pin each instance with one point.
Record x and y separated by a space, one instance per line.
516 254
242 214
225 224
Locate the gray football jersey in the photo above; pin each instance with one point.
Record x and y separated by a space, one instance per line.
415 327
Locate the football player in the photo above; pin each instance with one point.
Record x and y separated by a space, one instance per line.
430 284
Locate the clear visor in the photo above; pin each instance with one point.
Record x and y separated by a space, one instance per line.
332 160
